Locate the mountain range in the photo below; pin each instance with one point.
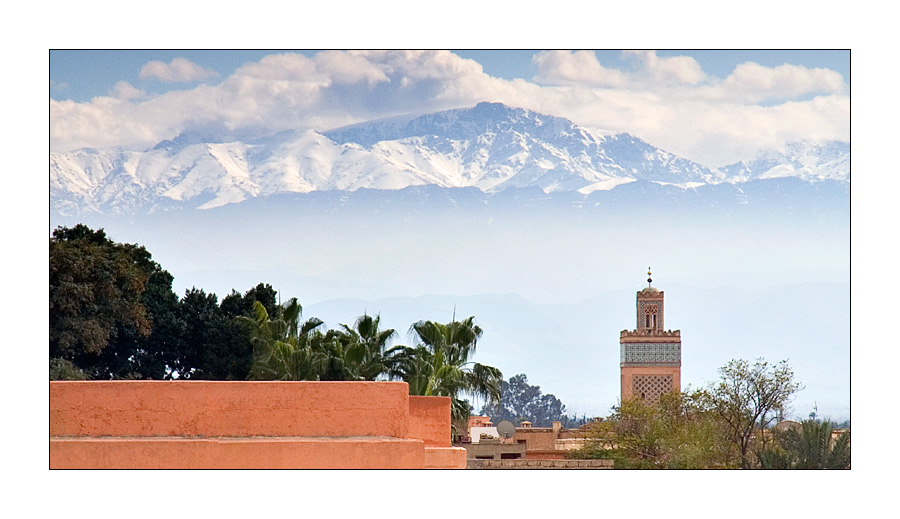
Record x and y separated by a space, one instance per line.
540 228
490 147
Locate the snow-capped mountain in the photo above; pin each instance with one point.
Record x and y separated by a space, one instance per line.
491 147
804 160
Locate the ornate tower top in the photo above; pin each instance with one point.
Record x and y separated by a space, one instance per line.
650 308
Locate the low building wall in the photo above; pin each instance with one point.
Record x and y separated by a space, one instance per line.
493 450
223 425
358 452
203 408
430 419
539 464
546 454
445 458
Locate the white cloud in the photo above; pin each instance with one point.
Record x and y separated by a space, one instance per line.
124 90
563 67
348 68
675 70
179 70
668 102
756 83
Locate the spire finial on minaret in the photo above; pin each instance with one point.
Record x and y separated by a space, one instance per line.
649 279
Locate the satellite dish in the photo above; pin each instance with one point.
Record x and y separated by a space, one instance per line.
506 429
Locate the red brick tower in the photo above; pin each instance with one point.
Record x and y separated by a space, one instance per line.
650 356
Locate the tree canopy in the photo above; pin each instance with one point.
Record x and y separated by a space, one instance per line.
521 401
674 433
113 315
747 398
96 287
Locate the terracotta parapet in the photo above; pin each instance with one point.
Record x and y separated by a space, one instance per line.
206 408
248 425
430 420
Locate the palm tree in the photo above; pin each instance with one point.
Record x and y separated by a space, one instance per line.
439 365
809 446
282 348
774 458
813 447
365 347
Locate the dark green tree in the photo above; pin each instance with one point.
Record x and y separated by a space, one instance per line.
232 353
152 356
235 304
521 401
200 312
106 300
215 345
95 290
62 369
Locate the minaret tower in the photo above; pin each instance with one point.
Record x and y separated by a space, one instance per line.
650 356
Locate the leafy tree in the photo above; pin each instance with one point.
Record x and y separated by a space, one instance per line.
235 304
132 355
213 344
810 446
230 353
747 399
675 433
520 401
155 355
439 365
198 310
95 290
109 305
62 369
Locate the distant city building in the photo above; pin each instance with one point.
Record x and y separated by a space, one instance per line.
527 442
650 356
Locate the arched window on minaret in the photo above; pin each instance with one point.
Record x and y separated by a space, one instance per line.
650 313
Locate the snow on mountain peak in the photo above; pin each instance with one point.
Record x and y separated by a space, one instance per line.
489 146
803 159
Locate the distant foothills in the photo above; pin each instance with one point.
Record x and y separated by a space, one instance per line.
491 148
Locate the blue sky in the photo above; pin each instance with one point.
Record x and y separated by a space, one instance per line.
82 74
726 105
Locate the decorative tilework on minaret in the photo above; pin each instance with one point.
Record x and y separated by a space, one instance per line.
650 356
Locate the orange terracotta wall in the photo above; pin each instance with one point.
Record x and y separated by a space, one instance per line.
445 458
192 408
537 438
239 453
228 425
430 419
